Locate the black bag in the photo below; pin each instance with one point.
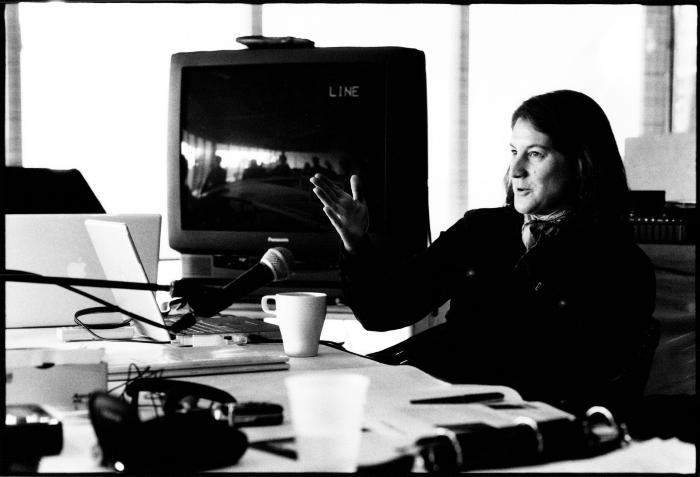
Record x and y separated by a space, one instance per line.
173 443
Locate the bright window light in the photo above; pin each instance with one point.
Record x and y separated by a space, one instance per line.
95 89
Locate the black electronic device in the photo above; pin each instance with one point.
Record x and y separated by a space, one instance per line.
656 221
260 41
247 128
187 397
30 433
185 436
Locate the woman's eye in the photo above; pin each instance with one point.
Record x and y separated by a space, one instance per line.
535 154
513 152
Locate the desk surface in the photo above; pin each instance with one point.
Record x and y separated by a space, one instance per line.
388 415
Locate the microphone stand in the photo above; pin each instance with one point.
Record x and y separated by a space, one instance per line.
86 282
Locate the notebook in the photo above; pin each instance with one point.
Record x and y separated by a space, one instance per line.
116 251
59 245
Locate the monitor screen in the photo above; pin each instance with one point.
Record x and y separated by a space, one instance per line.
252 135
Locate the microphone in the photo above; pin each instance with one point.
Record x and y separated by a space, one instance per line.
208 300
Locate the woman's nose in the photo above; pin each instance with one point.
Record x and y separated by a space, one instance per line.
517 166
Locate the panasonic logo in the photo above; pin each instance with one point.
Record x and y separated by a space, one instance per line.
278 239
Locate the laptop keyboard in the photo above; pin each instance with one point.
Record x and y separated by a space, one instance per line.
227 325
207 328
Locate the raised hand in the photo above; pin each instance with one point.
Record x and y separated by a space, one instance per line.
348 214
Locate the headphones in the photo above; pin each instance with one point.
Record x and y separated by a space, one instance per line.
185 438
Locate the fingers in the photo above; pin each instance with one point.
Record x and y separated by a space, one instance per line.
356 188
322 182
336 222
334 218
347 213
333 190
339 228
324 197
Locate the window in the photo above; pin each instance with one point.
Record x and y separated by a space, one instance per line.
95 89
685 68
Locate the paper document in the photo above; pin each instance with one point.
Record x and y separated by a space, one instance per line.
171 361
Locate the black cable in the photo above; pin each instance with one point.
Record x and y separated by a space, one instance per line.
113 309
100 309
30 277
109 308
140 373
89 328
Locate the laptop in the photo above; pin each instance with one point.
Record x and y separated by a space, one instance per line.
59 245
120 260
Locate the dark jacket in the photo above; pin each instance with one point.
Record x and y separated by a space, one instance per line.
565 323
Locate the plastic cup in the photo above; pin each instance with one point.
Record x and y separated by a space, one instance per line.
300 317
327 410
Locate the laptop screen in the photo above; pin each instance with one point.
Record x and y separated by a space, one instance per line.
120 261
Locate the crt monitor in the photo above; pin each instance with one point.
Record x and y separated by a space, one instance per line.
247 128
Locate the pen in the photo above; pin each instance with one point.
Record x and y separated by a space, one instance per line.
461 399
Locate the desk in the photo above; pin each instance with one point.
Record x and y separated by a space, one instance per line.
390 390
340 326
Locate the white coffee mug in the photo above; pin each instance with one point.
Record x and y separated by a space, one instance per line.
300 317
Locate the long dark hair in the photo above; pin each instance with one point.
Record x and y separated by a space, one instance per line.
580 130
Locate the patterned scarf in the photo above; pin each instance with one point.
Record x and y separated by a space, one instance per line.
537 227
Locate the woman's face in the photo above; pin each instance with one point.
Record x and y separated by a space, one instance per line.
541 178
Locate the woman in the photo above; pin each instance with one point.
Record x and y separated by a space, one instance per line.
548 295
